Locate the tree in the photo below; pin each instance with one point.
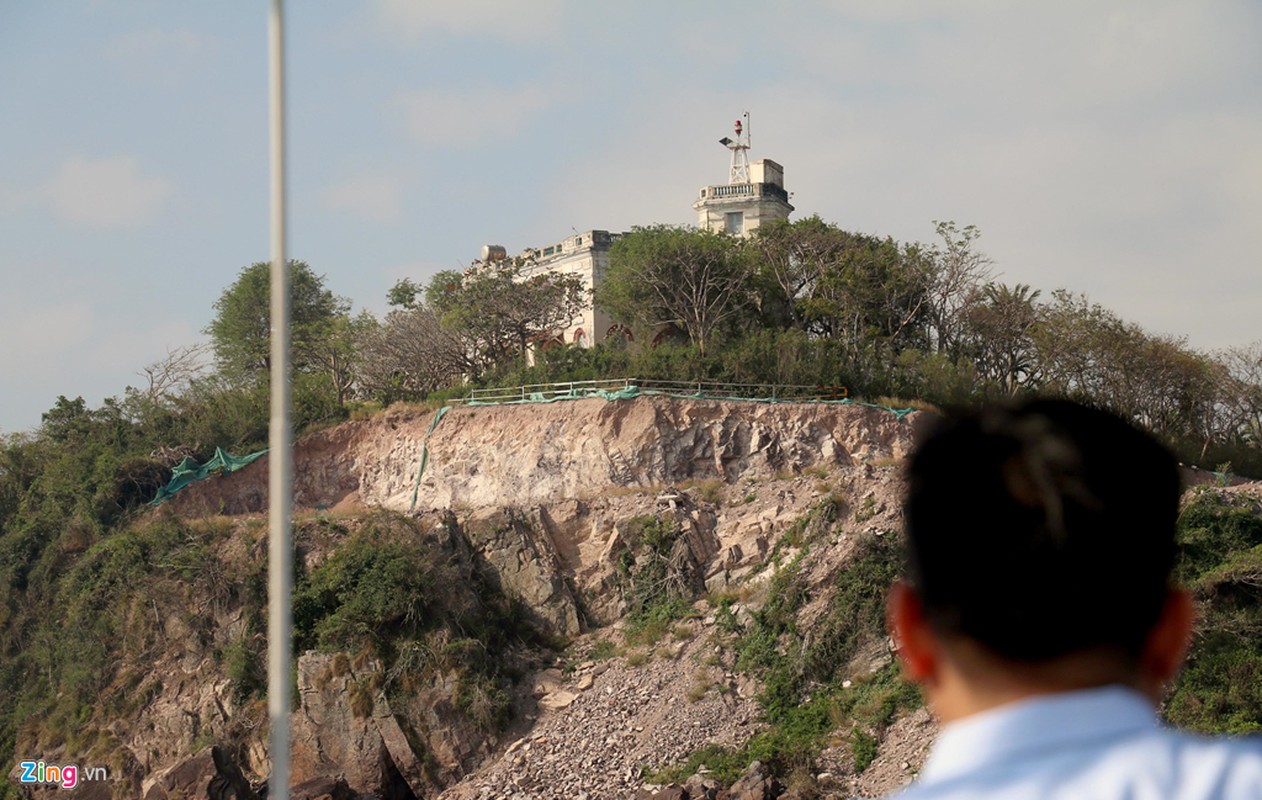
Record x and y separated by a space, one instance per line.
666 275
1087 351
404 294
335 355
171 376
240 333
995 331
410 355
873 298
793 257
1242 408
959 272
500 308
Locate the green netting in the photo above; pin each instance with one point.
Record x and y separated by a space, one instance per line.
189 470
442 412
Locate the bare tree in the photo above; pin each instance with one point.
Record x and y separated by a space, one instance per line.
172 375
959 275
410 355
1242 406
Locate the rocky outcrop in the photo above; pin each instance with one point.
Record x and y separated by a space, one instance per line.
547 502
525 561
525 456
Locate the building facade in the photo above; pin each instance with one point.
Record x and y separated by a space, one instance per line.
753 195
739 208
585 255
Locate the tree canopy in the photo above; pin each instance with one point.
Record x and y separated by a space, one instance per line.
665 275
500 308
241 329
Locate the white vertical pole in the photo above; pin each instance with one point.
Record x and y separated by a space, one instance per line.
280 457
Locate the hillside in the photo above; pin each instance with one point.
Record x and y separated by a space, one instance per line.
590 599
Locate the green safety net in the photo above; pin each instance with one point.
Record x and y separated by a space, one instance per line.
577 393
442 412
189 470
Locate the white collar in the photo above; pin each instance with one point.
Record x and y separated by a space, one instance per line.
1037 725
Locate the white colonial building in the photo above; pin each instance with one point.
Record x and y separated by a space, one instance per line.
587 256
753 195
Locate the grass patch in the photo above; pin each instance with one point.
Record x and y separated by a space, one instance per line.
701 684
707 490
602 650
655 584
1220 561
803 699
867 510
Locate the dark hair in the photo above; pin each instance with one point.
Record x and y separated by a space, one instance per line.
1042 529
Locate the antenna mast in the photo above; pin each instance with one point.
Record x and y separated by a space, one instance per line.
740 152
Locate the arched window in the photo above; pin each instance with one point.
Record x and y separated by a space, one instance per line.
618 329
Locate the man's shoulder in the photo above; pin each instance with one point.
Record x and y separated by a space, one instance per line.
1161 763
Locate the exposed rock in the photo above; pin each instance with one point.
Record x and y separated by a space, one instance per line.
211 773
524 559
526 456
540 497
329 737
322 788
558 700
755 784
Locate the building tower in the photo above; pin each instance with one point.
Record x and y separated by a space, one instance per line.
753 194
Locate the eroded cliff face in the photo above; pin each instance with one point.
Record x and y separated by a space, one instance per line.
540 488
545 499
530 455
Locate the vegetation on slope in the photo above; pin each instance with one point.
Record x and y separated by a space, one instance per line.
1220 542
816 694
412 600
813 693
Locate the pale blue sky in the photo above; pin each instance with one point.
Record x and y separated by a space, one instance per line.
1114 148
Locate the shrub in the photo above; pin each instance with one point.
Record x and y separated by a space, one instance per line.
1220 560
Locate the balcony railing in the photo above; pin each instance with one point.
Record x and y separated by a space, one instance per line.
744 190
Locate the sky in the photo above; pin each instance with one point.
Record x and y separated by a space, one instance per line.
1111 148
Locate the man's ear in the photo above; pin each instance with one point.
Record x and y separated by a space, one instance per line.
1168 641
918 650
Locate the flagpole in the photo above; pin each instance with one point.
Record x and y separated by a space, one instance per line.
280 437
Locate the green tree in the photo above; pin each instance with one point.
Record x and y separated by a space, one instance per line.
500 308
791 258
995 332
665 275
873 300
404 294
241 329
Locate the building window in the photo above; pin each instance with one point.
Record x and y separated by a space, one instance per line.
735 222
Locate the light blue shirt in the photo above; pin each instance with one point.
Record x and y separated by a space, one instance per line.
1088 745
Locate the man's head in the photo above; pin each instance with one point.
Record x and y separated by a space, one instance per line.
1041 531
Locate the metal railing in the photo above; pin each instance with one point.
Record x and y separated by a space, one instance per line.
542 392
545 391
